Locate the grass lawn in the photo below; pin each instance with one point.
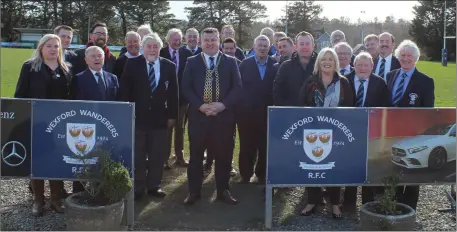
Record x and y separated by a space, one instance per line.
209 215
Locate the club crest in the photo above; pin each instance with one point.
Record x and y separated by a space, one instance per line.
317 143
412 98
80 138
166 85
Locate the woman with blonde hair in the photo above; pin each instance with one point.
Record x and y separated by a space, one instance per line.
325 88
45 76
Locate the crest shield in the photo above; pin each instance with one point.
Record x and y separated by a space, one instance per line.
317 143
80 138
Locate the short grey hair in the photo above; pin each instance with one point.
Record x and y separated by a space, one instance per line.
91 49
343 44
173 31
261 37
280 34
192 30
408 44
339 32
363 55
145 27
132 33
267 31
154 37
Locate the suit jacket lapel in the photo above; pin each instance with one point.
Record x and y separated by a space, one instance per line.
410 85
257 71
394 77
91 81
371 89
270 63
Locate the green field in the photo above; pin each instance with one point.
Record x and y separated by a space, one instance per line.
12 60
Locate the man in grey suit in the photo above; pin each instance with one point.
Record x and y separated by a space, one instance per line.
212 85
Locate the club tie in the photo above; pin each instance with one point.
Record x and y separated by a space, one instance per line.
101 84
381 68
359 96
399 91
152 76
211 63
173 57
343 71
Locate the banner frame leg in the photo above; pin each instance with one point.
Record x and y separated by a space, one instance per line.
268 206
130 210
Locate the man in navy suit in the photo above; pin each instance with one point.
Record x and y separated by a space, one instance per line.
192 40
410 88
151 82
344 52
370 90
228 31
212 85
94 84
257 75
386 61
178 55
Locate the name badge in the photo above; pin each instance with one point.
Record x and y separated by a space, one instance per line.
412 98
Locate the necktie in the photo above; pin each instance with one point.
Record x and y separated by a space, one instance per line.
152 76
173 57
359 96
211 62
399 91
101 84
381 68
343 71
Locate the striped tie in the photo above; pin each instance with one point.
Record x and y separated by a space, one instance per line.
399 91
152 76
173 57
342 71
381 68
359 96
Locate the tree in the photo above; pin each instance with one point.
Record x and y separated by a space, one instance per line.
301 15
244 15
209 13
427 27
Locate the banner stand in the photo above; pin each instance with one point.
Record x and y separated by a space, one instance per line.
268 205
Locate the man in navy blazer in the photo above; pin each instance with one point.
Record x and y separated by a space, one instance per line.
410 88
212 85
386 61
257 75
94 84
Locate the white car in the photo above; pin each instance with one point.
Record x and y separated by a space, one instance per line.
433 149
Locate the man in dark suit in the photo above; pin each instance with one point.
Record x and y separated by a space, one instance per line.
257 75
178 55
410 88
293 73
370 90
151 82
212 85
336 37
65 34
142 30
132 41
99 37
192 40
228 48
228 31
344 52
386 61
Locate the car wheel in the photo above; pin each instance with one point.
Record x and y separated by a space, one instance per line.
437 159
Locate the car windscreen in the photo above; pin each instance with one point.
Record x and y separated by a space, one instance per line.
438 130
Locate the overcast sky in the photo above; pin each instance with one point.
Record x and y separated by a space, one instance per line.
331 9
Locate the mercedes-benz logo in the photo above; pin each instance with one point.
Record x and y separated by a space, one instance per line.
15 157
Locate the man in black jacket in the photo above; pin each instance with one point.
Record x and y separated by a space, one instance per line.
99 37
178 55
142 30
286 48
151 82
293 73
132 41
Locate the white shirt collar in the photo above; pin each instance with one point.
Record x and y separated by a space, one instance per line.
347 68
356 79
388 58
93 72
128 55
207 58
193 50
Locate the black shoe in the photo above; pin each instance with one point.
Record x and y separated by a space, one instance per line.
308 213
181 163
156 193
227 197
192 199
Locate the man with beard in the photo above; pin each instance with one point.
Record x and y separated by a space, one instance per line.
178 55
386 61
132 41
142 30
151 83
192 40
293 73
227 31
372 45
99 37
212 85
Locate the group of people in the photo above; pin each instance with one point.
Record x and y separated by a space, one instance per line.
215 88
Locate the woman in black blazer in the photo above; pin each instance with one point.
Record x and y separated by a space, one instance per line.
325 88
45 76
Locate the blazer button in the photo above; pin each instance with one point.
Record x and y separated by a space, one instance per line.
151 97
149 108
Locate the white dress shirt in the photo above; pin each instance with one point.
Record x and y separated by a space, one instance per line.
386 65
208 62
365 87
347 69
156 69
96 77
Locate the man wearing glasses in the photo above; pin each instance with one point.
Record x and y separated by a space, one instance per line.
344 52
98 37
